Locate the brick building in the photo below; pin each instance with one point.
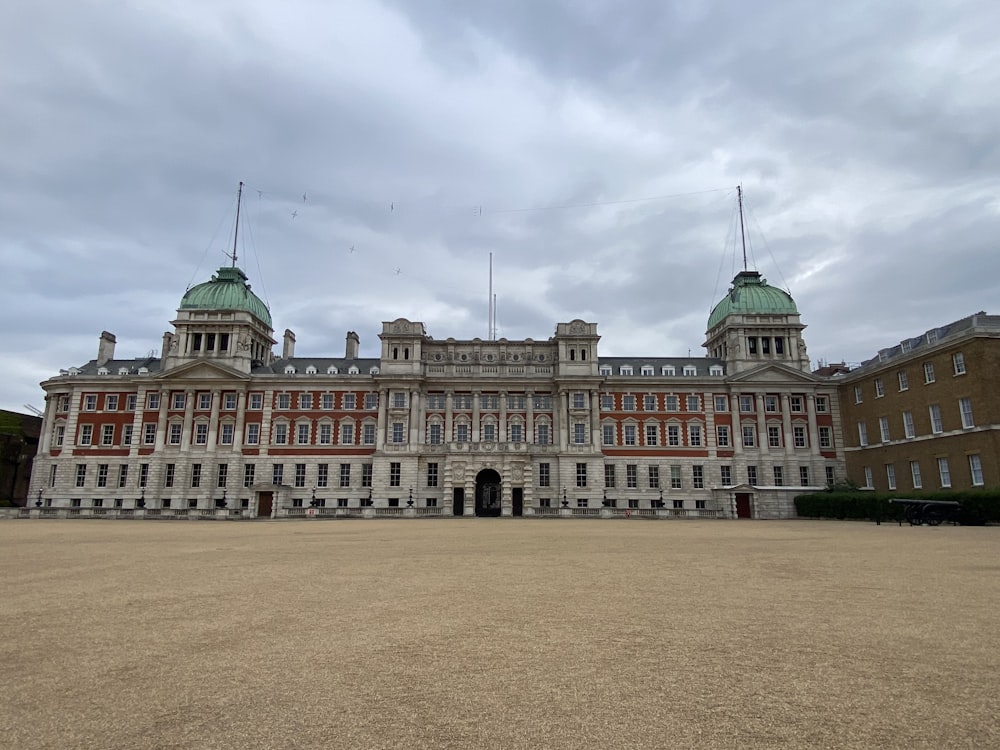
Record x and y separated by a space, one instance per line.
221 425
925 414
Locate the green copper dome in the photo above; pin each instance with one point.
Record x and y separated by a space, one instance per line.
750 294
228 290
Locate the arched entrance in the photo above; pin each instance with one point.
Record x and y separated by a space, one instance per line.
488 493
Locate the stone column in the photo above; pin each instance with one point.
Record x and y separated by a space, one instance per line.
416 418
475 437
213 424
786 426
449 417
502 427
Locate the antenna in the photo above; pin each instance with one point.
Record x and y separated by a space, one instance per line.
743 237
236 231
34 410
489 332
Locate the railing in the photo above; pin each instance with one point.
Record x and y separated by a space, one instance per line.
387 512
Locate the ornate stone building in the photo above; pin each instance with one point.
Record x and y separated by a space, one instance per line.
221 426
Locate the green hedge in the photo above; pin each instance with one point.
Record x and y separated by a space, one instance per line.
977 506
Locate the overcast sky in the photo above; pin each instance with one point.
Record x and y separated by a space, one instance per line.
592 146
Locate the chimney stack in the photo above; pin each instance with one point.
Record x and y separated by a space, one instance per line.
353 343
106 348
288 350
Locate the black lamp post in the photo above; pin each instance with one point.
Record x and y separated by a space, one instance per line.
565 502
312 503
409 503
38 502
141 502
661 499
369 502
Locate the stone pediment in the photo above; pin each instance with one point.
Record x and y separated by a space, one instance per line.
202 370
773 373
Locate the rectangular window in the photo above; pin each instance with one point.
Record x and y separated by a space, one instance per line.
434 433
127 434
464 401
673 434
579 400
795 404
675 478
779 476
323 475
90 402
694 434
284 400
300 475
633 503
168 475
726 475
904 381
943 472
143 474
123 475
858 395
395 474
649 403
108 434
651 431
631 475
277 473
349 401
608 434
544 476
81 475
581 502
196 475
654 477
579 433
581 475
326 401
721 404
223 475
693 403
825 437
883 429
544 434
936 424
347 434
152 401
345 475
672 403
749 436
371 401
102 475
630 434
890 476
229 402
862 434
822 404
752 475
201 434
397 432
432 475
366 475
770 404
176 429
462 433
879 388
228 432
918 482
698 477
178 401
976 470
281 433
204 401
928 372
722 435
773 436
628 403
908 429
799 436
958 363
489 432
305 401
516 431
86 434
804 476
248 475
325 433
60 436
965 407
607 402
746 404
830 476
368 433
253 434
609 475
111 402
398 400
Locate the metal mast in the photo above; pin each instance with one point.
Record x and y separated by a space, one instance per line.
236 231
739 196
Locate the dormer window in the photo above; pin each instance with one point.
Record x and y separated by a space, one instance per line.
668 371
647 370
715 370
625 370
353 370
690 370
373 371
123 371
289 369
103 371
605 371
311 370
332 370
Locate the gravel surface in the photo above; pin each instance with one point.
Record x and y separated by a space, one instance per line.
498 633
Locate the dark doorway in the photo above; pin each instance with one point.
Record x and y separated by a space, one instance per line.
264 502
488 493
743 505
458 501
517 500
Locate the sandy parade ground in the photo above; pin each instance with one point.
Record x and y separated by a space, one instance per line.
498 633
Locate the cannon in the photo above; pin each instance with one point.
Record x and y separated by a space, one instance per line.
930 512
